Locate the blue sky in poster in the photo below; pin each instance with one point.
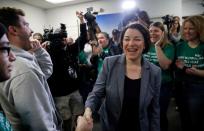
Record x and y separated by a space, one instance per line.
108 22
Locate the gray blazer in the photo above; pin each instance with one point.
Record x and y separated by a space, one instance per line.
110 85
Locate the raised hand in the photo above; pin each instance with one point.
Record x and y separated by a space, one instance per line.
80 15
159 42
35 44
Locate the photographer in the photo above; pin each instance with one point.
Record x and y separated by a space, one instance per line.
66 73
88 71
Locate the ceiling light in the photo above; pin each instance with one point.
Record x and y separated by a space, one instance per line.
129 4
58 1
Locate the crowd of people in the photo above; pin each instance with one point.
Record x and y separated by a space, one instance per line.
127 80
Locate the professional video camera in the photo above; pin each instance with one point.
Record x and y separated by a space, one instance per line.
168 21
57 36
89 16
91 23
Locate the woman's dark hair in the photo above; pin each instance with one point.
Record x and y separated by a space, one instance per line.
143 30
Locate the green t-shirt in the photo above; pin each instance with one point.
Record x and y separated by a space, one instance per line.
4 123
169 52
191 57
82 58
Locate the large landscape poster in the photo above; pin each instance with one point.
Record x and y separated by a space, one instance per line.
108 22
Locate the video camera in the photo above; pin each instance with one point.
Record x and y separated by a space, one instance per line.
91 23
90 18
57 36
168 20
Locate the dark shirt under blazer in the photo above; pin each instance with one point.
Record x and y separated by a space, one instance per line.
110 84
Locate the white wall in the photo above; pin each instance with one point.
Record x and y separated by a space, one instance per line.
155 8
158 8
192 7
35 16
67 14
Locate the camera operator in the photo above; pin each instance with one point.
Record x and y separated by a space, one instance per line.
66 73
88 71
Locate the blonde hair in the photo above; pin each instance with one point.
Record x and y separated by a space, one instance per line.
198 22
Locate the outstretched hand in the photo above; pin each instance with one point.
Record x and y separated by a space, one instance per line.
83 125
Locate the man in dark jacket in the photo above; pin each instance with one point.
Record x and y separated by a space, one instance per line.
64 82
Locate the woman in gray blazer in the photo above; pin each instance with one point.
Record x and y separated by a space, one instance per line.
130 86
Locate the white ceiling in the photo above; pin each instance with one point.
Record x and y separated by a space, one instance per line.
46 5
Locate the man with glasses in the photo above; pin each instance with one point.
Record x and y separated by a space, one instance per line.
12 120
27 89
5 72
5 56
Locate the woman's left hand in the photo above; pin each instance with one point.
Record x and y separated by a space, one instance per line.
159 42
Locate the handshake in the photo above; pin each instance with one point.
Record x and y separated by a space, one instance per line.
85 122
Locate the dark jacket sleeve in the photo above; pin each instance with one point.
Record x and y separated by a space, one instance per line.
74 49
82 39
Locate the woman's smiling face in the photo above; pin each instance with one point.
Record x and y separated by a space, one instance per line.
133 44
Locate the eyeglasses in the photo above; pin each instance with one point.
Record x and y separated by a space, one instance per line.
5 49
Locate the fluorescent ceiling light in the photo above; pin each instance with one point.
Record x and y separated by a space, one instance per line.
129 4
58 1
